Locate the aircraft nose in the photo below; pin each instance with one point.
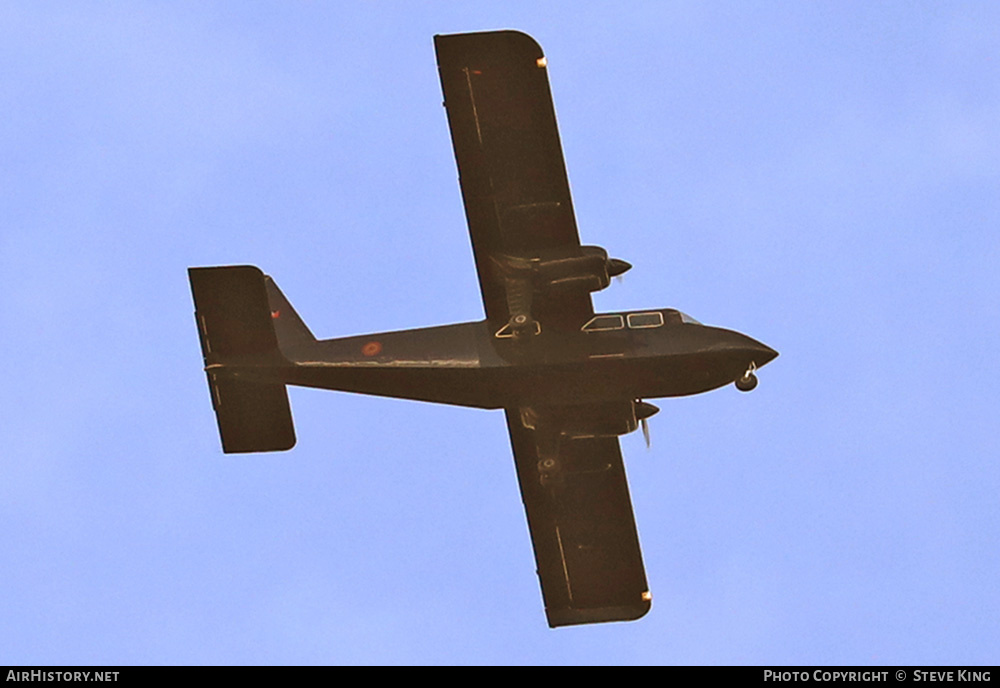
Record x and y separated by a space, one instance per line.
766 354
758 352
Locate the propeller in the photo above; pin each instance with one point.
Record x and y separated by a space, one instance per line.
643 411
618 267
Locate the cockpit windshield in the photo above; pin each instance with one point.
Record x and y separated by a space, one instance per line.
676 317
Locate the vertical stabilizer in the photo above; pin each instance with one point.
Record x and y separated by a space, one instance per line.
289 328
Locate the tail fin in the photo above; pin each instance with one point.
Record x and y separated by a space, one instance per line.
288 326
236 327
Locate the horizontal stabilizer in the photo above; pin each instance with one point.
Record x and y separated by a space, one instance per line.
253 416
234 318
235 324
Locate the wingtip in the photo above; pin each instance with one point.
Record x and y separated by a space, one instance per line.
574 617
490 41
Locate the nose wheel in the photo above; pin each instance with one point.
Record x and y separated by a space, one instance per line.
749 380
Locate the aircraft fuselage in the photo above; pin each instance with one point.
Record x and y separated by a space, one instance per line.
468 365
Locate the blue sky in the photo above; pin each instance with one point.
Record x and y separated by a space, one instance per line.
822 176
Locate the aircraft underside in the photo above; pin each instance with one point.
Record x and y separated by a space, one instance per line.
570 381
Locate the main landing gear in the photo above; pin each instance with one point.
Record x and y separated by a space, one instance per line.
749 380
548 471
523 325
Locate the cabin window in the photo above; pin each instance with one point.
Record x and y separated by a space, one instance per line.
641 320
601 323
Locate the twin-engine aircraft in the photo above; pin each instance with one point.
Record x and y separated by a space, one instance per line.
569 381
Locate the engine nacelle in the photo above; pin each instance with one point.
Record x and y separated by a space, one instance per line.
609 419
583 268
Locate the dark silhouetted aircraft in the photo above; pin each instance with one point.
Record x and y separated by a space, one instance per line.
569 381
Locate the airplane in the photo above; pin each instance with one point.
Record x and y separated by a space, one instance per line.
570 381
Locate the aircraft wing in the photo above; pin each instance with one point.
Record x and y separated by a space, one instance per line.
510 161
582 529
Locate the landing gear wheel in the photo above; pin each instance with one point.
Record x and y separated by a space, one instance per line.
747 382
522 325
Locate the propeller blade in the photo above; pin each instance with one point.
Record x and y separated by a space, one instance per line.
645 432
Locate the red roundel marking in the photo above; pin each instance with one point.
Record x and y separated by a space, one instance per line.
275 314
372 348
